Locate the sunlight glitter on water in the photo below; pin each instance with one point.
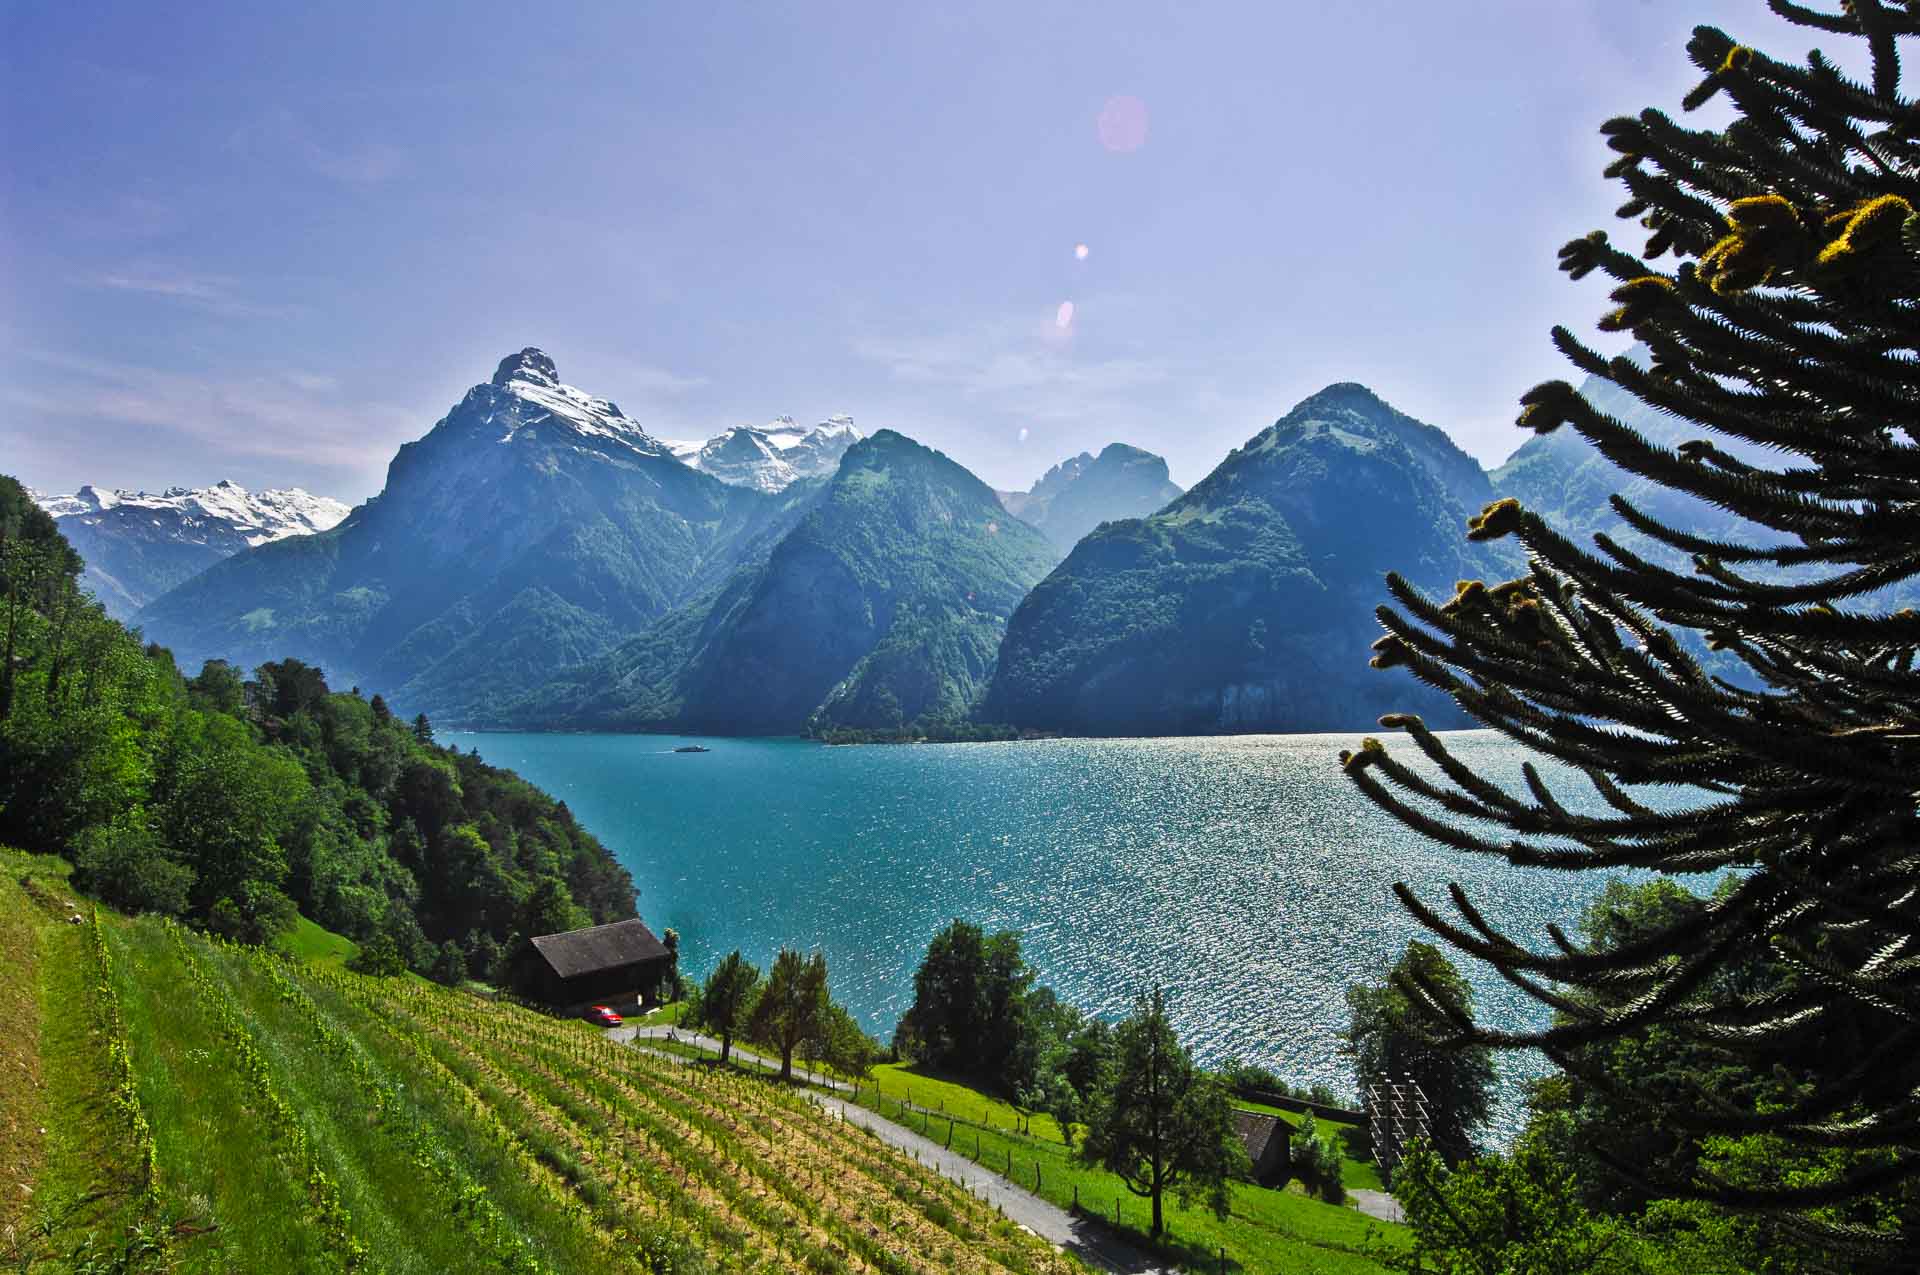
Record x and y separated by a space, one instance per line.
1244 874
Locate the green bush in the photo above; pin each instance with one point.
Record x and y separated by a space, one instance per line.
1315 1159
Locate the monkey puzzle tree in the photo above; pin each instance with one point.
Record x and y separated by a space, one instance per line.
1787 329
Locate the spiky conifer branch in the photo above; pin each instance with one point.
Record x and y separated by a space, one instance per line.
1789 327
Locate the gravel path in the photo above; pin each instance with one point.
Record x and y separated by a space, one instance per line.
1087 1239
1377 1204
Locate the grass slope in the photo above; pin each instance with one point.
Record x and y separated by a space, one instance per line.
310 944
302 1118
72 1195
1266 1231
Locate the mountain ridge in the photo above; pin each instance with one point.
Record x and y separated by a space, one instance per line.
534 524
881 607
138 545
1247 603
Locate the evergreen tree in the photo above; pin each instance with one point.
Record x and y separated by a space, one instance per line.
1163 1124
726 999
1784 329
671 941
422 729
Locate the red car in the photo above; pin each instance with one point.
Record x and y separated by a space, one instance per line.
603 1016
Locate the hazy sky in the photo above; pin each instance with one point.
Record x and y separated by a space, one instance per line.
273 242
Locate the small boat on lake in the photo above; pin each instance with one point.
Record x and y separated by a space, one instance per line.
693 748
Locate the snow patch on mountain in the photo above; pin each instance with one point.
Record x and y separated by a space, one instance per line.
530 377
773 456
202 515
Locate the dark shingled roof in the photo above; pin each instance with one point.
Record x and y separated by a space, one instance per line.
1256 1131
600 948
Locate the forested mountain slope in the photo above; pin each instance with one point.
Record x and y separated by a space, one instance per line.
882 607
235 801
1247 604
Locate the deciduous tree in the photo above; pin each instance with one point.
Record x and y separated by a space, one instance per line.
792 1006
1392 1036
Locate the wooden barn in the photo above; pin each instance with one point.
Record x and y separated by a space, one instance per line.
1267 1139
617 964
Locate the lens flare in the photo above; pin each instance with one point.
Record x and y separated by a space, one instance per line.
1079 252
1063 317
1123 124
1023 433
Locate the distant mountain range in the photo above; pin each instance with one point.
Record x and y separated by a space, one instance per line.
539 559
1084 491
138 545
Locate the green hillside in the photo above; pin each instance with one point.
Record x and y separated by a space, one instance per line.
1247 604
883 607
210 1107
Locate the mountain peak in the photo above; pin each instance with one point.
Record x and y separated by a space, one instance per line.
531 364
1083 491
771 456
1342 396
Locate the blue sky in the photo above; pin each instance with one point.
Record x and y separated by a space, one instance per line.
272 242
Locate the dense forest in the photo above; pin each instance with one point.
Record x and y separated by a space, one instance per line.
237 801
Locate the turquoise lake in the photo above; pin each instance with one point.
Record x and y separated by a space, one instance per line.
1244 874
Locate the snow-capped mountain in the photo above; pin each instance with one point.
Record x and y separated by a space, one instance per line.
203 514
771 457
525 394
531 528
137 545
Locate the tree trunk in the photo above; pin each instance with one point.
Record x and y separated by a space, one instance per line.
726 1046
1156 1213
16 564
786 1063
